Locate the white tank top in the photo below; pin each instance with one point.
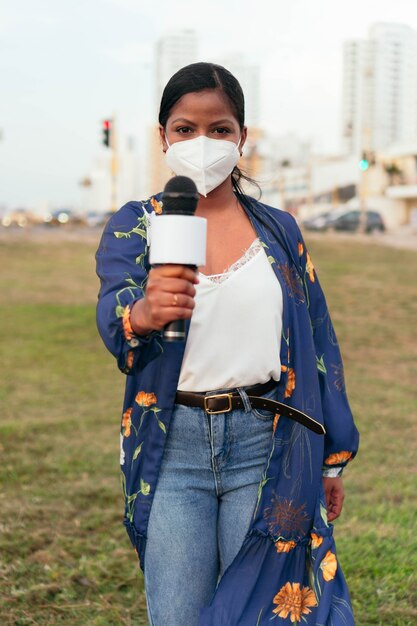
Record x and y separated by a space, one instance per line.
235 331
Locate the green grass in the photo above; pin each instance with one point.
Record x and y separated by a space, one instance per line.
64 555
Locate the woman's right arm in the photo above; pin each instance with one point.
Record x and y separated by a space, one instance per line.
134 301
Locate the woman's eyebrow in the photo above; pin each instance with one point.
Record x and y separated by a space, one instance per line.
183 120
222 121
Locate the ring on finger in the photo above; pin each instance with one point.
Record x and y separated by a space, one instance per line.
175 300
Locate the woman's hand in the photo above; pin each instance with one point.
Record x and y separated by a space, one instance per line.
335 493
169 296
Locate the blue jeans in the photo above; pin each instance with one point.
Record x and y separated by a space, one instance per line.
202 507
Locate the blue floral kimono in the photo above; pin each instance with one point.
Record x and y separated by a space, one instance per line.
286 569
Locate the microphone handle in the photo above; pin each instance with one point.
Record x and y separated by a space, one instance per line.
175 330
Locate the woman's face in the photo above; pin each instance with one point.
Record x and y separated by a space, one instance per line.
206 112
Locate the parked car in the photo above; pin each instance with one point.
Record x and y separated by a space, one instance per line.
318 222
19 217
61 217
350 222
345 220
322 221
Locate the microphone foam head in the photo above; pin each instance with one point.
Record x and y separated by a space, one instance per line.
180 196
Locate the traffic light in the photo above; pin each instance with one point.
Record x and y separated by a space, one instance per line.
364 162
107 133
368 159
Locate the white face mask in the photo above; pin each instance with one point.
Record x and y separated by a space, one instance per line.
208 162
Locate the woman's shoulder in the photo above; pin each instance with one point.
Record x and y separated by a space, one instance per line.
137 210
152 204
284 218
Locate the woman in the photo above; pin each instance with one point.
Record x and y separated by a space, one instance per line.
231 498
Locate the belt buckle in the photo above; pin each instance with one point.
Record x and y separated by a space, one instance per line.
220 395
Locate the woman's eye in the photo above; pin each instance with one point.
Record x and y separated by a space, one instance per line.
222 131
183 130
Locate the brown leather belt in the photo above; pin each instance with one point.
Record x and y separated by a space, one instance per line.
230 399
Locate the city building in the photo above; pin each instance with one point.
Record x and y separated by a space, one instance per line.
379 102
284 169
114 177
399 164
248 76
173 51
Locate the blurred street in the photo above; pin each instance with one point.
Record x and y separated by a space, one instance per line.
403 237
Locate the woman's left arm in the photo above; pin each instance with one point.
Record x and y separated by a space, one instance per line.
342 437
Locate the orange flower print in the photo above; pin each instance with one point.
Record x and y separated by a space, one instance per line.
329 566
292 282
290 386
126 422
293 601
145 399
300 248
129 359
284 518
275 424
157 206
316 541
127 328
310 268
338 457
284 546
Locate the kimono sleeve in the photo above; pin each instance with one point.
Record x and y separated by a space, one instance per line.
121 265
342 437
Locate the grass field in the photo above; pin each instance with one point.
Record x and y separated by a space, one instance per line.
64 555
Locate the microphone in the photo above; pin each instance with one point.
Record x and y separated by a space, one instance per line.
178 236
180 196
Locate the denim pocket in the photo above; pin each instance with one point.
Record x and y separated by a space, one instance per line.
264 414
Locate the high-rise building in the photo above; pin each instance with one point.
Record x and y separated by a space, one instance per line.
379 105
173 51
249 78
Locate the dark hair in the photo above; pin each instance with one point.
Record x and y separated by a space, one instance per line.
199 76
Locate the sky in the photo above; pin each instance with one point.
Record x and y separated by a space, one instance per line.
67 65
